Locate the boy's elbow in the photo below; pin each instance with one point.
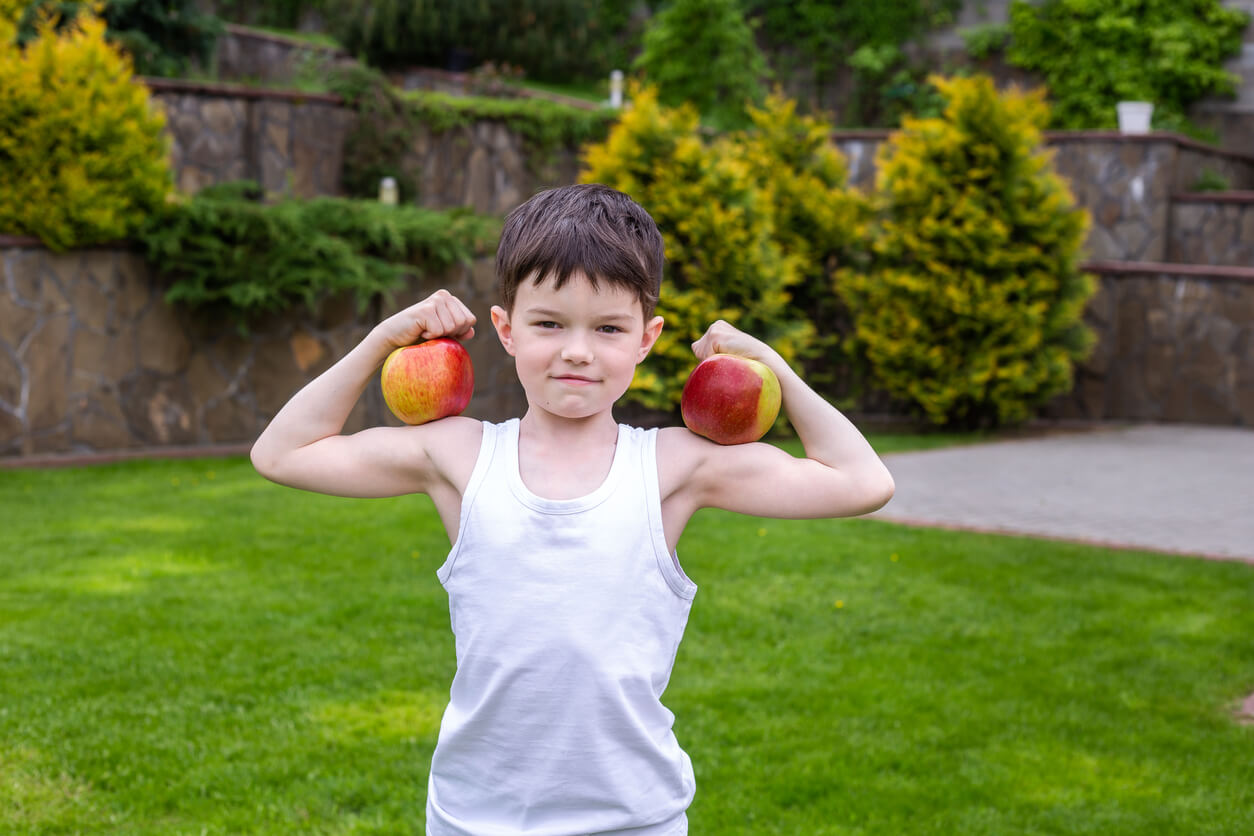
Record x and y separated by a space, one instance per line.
880 488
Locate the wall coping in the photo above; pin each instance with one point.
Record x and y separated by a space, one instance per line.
1124 269
242 31
1053 137
1214 197
236 91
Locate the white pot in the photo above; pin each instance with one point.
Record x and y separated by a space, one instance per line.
1134 117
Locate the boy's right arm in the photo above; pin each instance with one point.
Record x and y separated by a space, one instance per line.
303 448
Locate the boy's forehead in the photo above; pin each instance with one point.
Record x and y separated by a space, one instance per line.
578 289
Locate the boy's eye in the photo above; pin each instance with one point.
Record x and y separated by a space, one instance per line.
610 329
547 323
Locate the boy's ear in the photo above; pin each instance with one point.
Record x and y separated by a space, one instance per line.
504 330
652 330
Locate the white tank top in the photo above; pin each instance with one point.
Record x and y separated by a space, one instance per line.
567 614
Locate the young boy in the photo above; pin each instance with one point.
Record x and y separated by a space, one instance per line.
565 591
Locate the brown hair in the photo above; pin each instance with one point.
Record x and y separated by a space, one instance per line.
589 228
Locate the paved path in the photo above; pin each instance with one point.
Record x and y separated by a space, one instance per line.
1168 488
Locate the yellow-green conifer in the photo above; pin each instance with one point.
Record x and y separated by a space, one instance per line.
971 309
83 158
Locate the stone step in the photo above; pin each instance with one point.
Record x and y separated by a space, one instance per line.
1212 228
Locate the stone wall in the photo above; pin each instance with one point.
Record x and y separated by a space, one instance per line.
290 143
485 166
294 144
93 359
1171 347
1213 229
1126 182
256 57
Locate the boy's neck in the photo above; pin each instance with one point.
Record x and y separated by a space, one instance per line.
546 428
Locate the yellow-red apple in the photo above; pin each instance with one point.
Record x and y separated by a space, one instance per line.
427 381
730 399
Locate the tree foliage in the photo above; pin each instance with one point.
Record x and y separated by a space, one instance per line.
1094 54
83 157
702 52
970 310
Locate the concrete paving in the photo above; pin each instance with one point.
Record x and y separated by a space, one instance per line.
1167 488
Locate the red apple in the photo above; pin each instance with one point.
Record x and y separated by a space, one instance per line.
427 381
730 399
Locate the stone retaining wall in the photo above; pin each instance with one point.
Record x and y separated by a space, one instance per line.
1213 229
292 144
1126 182
256 57
1172 346
93 359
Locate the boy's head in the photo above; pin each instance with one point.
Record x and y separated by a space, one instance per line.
587 229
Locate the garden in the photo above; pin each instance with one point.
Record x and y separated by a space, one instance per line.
186 648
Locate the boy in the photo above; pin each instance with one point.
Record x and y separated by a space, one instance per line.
566 595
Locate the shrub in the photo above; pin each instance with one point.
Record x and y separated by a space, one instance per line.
702 52
818 220
83 159
970 309
161 36
1093 55
219 250
723 259
810 39
553 40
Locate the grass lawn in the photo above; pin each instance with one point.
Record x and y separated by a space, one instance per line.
186 649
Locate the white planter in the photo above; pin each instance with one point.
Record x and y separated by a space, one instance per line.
1134 117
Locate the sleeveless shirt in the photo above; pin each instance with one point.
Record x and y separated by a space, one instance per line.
566 615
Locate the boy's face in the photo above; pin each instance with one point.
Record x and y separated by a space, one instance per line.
575 349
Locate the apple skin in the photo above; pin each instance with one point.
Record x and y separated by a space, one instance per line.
427 381
730 399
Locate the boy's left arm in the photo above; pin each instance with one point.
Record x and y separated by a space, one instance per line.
841 475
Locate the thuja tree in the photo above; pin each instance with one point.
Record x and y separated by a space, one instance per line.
1092 55
970 309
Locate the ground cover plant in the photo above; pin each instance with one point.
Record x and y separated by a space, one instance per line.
185 648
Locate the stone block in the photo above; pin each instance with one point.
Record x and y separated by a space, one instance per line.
205 380
309 352
158 408
16 320
12 433
102 357
162 341
230 420
223 116
98 423
275 377
10 378
92 306
47 360
134 288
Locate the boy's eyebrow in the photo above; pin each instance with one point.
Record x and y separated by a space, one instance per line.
556 314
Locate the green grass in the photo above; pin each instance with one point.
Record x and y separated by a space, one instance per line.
185 648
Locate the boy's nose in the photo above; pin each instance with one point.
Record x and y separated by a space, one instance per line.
577 349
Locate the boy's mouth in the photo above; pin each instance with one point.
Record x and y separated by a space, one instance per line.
574 378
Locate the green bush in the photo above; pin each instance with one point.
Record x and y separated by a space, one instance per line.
161 36
222 251
725 248
389 119
702 52
1092 55
969 311
818 220
812 42
552 40
83 159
